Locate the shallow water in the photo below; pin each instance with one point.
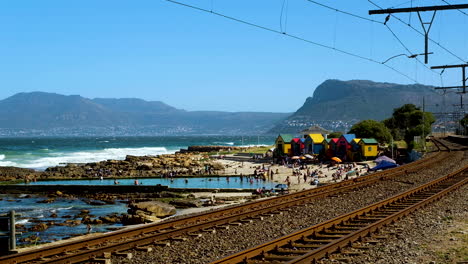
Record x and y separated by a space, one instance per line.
205 182
31 211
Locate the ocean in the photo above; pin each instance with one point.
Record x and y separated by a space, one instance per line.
40 153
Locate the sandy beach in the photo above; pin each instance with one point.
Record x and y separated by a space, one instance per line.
237 165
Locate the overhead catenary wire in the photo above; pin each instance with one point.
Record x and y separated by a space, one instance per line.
461 11
374 21
344 12
291 36
421 33
407 49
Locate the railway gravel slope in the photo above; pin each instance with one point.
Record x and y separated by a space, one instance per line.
212 246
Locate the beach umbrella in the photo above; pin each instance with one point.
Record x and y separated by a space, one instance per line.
302 157
336 159
295 157
309 156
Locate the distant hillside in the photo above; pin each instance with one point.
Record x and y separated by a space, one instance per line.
55 113
336 104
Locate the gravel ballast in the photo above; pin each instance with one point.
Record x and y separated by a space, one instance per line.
212 246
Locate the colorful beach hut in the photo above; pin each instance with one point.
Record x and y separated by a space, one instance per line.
283 144
332 146
369 147
314 143
297 146
355 144
343 146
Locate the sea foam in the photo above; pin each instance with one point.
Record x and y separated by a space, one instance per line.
62 158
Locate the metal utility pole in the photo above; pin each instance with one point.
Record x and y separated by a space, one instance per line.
463 67
423 126
423 24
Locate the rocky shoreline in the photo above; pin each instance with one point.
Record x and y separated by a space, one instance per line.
143 207
194 161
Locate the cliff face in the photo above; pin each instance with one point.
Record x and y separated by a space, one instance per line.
350 101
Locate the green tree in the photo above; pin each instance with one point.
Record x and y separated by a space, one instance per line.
334 135
407 122
371 129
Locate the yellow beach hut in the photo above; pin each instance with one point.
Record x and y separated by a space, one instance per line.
369 147
283 144
313 143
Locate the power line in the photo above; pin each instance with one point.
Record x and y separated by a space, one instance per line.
461 11
419 32
407 49
345 12
291 36
374 21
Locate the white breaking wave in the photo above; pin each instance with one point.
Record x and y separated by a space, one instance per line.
255 145
62 158
22 222
224 143
2 156
8 164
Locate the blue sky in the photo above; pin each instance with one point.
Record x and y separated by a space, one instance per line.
157 50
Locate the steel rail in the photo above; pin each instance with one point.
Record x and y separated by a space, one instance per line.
172 228
288 249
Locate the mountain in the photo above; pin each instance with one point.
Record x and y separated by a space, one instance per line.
52 114
336 105
44 110
135 105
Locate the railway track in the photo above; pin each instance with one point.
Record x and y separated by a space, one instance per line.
103 245
312 244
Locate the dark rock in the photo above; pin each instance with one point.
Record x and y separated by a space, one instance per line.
50 200
153 208
39 227
110 219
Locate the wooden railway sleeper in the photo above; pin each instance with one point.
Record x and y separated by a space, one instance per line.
162 243
281 251
360 246
273 257
209 230
353 225
127 255
145 249
317 241
383 214
350 228
101 261
336 232
193 234
297 245
325 236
